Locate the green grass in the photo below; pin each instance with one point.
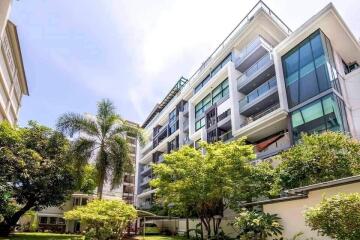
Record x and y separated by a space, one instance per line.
159 238
43 236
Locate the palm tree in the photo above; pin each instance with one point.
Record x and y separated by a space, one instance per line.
102 138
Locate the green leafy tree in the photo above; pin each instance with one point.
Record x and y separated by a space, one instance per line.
208 183
103 137
87 182
318 158
337 217
34 171
256 225
105 219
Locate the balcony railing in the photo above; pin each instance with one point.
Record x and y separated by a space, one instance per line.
224 115
226 136
259 91
249 48
146 168
260 114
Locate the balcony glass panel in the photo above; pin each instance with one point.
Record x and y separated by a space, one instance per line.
259 64
249 48
262 89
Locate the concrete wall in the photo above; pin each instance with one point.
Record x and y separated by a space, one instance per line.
292 212
352 85
4 14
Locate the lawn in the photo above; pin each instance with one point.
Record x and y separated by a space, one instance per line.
47 236
54 236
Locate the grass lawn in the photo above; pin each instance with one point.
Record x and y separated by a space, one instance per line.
160 238
47 236
54 236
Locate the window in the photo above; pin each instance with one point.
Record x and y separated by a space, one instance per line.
61 221
327 113
200 123
309 69
52 220
84 201
220 92
43 220
227 59
173 123
76 201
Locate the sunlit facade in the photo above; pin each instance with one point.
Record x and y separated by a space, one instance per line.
265 82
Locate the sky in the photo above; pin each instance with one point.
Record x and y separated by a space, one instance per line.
77 52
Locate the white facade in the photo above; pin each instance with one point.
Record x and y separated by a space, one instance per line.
247 70
13 83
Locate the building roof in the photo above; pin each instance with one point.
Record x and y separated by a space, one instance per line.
160 106
302 192
259 5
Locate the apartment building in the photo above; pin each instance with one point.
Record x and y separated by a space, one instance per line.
265 82
13 83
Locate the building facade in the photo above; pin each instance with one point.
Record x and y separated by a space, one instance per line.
13 83
264 82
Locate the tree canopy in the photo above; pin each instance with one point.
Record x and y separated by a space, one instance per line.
318 158
35 171
104 138
337 217
105 219
209 180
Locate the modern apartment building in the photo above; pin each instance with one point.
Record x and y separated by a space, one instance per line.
13 83
264 82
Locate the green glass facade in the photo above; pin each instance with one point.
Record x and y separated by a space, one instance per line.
324 114
309 70
220 92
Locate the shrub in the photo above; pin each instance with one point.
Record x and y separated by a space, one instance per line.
255 225
105 219
337 217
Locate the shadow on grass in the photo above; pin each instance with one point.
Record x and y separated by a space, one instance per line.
47 236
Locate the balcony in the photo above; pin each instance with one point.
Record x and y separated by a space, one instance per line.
252 53
256 74
145 181
224 118
260 98
226 136
186 125
145 170
282 143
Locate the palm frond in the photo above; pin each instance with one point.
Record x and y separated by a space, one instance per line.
82 150
106 116
119 158
125 128
71 123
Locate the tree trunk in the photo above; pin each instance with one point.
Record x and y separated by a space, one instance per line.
7 226
100 190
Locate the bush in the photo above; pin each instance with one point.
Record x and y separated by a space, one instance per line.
255 225
337 217
105 219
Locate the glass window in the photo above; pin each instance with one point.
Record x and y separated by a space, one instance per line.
43 220
200 123
327 113
52 220
305 69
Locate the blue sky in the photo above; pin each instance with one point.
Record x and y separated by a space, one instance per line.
77 52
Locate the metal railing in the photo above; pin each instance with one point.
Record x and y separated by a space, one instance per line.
259 6
260 114
259 91
226 136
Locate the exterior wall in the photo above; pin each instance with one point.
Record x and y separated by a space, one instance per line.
12 76
352 86
292 212
5 6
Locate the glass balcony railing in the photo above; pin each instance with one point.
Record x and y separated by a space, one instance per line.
249 48
259 91
260 114
265 60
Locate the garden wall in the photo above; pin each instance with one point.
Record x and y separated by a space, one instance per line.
292 212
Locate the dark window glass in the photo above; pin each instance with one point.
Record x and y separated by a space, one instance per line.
327 113
305 69
43 220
